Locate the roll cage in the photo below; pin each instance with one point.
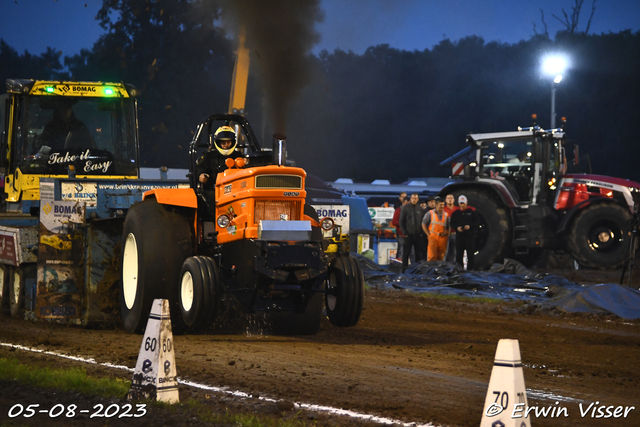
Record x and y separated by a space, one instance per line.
247 142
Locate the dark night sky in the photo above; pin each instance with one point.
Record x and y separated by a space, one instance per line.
69 25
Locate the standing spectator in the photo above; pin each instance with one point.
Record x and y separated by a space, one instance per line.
436 224
465 222
410 219
431 203
426 206
400 202
396 223
450 208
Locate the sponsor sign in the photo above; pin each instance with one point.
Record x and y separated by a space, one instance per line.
339 213
86 192
8 245
61 253
59 216
381 219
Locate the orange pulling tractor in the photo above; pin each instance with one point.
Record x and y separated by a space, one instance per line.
263 247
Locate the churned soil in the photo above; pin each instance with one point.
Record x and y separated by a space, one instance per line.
410 358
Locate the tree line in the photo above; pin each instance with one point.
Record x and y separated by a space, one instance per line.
387 113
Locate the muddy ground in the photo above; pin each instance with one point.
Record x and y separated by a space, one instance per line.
411 358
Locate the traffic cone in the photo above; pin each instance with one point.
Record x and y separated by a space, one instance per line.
155 374
506 401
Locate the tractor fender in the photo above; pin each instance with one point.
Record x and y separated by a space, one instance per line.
491 185
568 218
185 197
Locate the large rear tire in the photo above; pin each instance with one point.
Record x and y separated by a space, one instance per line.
16 292
599 238
344 296
156 241
200 293
493 236
4 288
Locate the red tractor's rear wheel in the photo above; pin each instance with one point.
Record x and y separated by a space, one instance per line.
156 240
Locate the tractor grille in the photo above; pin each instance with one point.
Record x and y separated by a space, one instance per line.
279 181
272 210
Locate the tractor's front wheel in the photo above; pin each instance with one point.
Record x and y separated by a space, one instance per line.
345 291
200 292
156 241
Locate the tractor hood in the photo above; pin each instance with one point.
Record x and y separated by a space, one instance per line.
601 180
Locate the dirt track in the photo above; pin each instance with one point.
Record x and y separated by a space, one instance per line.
410 358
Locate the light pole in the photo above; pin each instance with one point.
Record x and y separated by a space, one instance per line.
554 66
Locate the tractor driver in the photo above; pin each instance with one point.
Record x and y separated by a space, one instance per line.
63 128
212 162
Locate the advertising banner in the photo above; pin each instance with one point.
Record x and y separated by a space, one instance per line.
381 218
60 260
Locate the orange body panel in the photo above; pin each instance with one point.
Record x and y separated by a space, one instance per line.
238 197
174 196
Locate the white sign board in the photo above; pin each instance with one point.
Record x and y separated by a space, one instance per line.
86 192
58 216
339 214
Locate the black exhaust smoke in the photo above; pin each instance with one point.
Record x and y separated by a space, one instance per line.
281 33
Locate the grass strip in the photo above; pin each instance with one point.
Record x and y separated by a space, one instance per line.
75 379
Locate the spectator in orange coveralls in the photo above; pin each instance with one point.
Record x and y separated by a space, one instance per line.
436 224
395 222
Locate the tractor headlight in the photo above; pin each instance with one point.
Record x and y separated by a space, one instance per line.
326 224
223 221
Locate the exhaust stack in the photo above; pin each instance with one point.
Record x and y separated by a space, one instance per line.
279 149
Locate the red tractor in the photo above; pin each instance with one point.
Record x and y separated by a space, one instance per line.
517 183
263 248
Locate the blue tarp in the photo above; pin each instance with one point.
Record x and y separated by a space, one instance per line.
510 281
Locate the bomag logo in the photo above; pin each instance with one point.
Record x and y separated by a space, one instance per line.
83 88
65 210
